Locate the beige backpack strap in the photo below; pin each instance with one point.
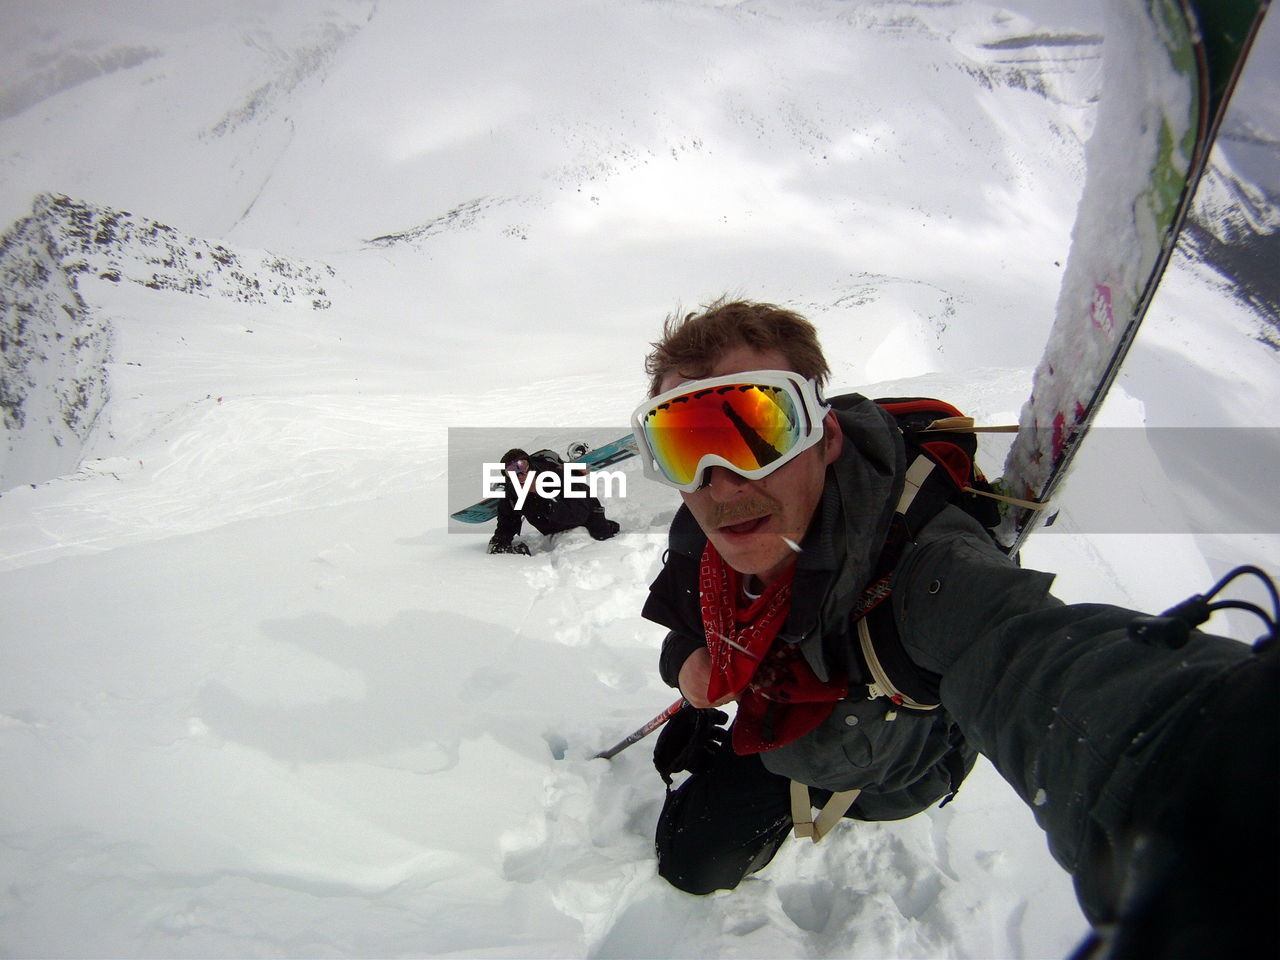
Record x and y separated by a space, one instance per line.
882 684
828 817
1025 504
966 425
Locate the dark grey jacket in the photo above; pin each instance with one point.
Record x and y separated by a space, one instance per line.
1090 727
902 764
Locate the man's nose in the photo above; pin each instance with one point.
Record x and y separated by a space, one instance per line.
723 484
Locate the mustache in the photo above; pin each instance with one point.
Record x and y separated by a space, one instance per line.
727 513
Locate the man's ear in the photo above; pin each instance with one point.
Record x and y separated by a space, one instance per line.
832 438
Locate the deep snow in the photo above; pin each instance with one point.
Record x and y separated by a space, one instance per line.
258 699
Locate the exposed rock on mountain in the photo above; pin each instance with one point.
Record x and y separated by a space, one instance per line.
53 381
116 245
1234 228
53 376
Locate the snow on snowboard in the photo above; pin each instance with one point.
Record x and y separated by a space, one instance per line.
1169 67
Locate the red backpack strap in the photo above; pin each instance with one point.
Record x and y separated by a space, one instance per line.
941 447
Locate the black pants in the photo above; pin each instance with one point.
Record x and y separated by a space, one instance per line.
566 513
723 824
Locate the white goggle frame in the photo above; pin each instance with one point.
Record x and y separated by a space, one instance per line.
804 395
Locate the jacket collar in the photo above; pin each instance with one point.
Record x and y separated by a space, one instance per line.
843 544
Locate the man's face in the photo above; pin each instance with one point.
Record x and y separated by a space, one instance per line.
750 521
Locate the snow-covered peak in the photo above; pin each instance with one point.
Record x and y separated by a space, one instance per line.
120 246
56 347
1230 207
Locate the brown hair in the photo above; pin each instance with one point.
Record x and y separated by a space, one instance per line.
692 344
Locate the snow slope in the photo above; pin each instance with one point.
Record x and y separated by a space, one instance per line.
257 698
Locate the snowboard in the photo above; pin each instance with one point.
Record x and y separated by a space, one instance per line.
616 451
1169 67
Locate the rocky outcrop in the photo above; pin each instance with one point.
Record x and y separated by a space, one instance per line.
118 246
54 349
1234 228
53 354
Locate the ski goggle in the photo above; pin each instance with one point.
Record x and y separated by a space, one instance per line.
752 423
518 467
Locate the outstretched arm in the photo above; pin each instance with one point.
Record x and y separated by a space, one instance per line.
1152 770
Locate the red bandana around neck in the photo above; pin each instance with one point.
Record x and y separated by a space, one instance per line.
779 696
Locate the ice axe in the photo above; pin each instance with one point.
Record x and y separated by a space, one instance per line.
643 732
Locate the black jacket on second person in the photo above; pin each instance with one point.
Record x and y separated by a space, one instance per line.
546 514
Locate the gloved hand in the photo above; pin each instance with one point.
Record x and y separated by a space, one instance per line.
604 529
689 740
598 525
497 545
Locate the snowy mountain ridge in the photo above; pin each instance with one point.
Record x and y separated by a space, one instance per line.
118 246
56 346
1233 230
1230 207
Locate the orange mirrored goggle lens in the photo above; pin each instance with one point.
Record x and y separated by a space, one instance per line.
749 425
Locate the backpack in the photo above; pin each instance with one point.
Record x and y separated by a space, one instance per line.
940 444
548 455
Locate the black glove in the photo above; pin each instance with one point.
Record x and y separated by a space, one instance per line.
497 545
598 525
689 741
604 529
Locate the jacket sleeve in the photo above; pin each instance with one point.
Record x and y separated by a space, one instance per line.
1087 724
673 603
674 607
676 649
